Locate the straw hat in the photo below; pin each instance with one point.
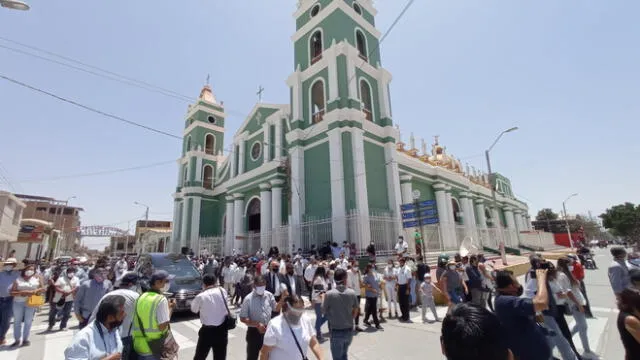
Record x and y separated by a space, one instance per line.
11 261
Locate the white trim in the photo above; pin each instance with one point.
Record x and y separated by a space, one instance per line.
376 142
373 110
324 97
203 124
246 204
252 135
322 43
251 150
319 142
194 108
255 173
328 10
240 132
213 136
366 41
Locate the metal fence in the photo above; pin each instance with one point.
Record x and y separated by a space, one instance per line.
210 245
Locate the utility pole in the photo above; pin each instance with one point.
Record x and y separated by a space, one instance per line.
566 219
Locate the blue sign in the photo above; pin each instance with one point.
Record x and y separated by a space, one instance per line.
424 212
427 203
406 207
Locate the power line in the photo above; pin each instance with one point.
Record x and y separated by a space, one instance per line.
85 107
103 172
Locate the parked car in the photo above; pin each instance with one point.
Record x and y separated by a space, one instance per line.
184 286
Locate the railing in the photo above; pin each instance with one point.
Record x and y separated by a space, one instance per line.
367 114
363 57
317 116
316 59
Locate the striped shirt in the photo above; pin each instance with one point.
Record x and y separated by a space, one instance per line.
258 308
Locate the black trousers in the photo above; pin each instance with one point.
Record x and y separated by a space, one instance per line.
254 343
403 299
357 319
371 309
213 338
564 327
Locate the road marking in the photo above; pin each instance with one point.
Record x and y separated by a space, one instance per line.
595 328
183 341
604 310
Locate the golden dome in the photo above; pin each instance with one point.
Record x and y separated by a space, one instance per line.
206 94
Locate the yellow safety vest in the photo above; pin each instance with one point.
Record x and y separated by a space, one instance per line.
146 309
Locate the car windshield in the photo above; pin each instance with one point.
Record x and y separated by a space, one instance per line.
176 265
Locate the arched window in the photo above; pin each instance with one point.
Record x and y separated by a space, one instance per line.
365 98
207 177
357 8
185 174
209 144
315 44
489 216
317 102
361 44
188 146
456 211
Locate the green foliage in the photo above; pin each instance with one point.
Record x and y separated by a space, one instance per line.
546 214
623 220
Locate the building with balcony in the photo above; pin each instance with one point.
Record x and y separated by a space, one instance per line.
11 210
330 165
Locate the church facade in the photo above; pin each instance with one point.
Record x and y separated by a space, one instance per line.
330 165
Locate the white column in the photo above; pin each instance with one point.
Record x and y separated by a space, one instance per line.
175 230
232 160
297 185
351 74
383 91
443 214
276 203
241 144
278 148
511 226
482 220
199 168
184 229
529 225
266 129
360 174
239 238
296 90
195 224
393 181
469 216
339 225
265 214
229 235
407 189
451 226
517 214
333 74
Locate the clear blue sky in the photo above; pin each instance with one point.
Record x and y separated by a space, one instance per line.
566 72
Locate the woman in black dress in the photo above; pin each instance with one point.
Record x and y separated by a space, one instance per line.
629 322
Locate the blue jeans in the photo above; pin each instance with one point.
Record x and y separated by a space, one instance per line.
320 319
22 312
340 342
580 327
558 340
6 311
455 296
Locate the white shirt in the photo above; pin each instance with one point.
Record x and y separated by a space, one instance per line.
390 275
401 247
26 285
565 284
353 281
404 275
310 272
210 304
162 313
67 285
531 288
279 336
121 268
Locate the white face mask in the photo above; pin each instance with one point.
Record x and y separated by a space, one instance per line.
452 267
260 290
71 275
29 273
8 267
570 267
166 286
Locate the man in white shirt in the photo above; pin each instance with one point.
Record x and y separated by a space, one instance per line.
353 283
227 276
211 305
404 280
309 273
121 267
402 247
390 279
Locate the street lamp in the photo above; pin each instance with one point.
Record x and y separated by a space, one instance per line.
493 189
15 5
566 220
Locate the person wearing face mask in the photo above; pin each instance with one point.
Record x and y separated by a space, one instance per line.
89 294
274 278
7 277
426 293
65 286
101 339
390 278
256 312
404 281
290 335
27 285
519 316
452 284
618 270
211 306
151 319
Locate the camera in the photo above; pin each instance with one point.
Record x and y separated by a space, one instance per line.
539 265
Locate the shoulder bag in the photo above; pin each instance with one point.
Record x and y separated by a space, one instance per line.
229 320
304 357
128 353
164 348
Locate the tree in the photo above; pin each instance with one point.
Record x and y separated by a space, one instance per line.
546 214
623 220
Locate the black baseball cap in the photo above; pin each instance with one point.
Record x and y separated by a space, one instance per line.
129 278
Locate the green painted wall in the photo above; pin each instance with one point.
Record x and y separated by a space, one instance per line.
376 176
249 162
425 188
306 95
317 181
348 172
210 217
256 122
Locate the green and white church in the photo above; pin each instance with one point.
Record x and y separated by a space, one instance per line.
330 165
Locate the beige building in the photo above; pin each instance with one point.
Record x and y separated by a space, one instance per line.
63 218
11 210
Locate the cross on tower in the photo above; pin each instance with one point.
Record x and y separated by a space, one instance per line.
208 78
259 93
